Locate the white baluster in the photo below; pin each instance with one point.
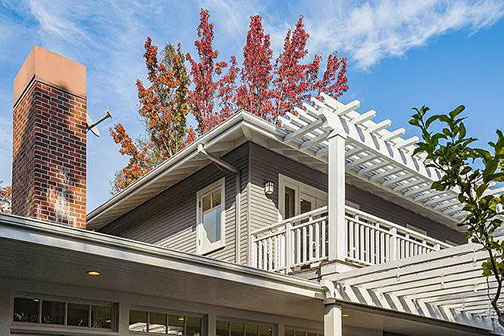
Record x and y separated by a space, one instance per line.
394 255
324 238
310 242
270 259
289 251
351 243
317 239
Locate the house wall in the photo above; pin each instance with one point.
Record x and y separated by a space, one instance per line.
169 219
265 165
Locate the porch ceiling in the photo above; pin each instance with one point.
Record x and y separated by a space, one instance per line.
446 285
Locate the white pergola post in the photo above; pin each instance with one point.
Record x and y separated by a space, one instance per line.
336 198
333 323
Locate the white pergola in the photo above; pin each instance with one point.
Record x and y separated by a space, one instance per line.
446 285
373 152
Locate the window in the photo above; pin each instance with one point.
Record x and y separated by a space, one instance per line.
62 312
53 312
138 321
300 332
26 310
232 328
297 198
163 323
78 315
210 217
101 317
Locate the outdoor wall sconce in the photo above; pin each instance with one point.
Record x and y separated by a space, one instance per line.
269 187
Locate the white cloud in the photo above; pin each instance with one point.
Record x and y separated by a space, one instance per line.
379 29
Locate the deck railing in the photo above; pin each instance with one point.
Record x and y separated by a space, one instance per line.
303 241
295 242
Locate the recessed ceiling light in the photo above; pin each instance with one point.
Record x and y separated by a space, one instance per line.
345 315
93 273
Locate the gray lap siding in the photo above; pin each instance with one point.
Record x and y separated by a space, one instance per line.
169 219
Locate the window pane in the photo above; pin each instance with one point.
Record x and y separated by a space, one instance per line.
78 315
222 328
251 330
212 225
26 310
216 198
312 334
306 206
237 329
289 332
265 331
300 333
289 202
101 317
137 321
207 203
176 325
53 312
193 326
157 323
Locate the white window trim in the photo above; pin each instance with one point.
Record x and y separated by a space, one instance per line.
299 187
200 249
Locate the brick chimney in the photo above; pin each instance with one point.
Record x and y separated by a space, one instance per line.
49 139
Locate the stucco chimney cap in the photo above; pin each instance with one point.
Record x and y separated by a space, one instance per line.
50 68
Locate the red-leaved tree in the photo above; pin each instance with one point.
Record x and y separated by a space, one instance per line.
209 82
163 107
270 90
213 90
5 198
255 94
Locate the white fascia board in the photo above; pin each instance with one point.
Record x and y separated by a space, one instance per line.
37 232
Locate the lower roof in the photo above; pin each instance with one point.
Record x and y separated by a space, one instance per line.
43 252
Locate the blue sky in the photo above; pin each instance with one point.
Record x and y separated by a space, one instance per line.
401 54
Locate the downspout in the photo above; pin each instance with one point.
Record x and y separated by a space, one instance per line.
231 168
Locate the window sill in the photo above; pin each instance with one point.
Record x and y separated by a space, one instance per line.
211 249
19 327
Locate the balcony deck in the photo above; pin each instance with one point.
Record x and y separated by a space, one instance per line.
302 241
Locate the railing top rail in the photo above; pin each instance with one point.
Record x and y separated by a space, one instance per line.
292 219
370 226
399 227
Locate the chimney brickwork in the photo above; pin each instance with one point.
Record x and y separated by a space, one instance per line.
49 140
